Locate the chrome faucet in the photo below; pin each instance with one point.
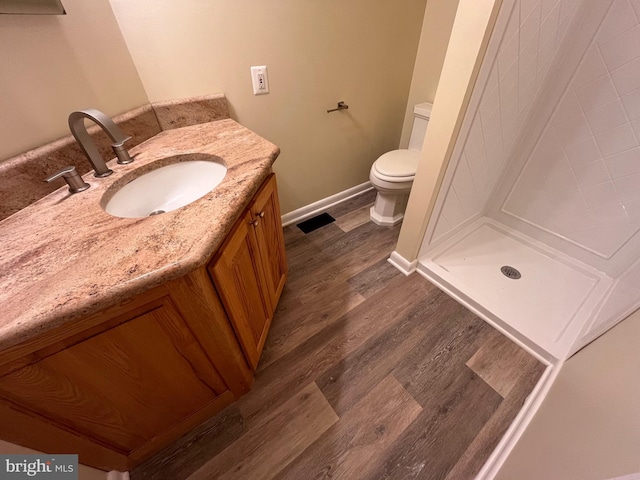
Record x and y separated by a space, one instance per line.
79 131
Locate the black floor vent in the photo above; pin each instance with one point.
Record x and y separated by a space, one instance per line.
316 222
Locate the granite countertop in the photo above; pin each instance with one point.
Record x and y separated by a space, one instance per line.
63 257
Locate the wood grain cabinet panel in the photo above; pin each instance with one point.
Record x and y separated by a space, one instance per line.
250 270
265 210
238 278
124 386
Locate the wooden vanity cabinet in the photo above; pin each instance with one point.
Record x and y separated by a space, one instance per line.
118 385
267 223
250 270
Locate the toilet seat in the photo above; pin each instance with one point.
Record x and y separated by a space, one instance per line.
396 166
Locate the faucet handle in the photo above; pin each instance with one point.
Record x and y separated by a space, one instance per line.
73 179
123 155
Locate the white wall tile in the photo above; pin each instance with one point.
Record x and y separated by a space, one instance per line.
491 131
525 99
602 194
560 221
494 158
568 8
509 109
635 125
526 7
562 180
632 211
635 4
452 209
622 49
591 67
616 140
529 53
573 130
442 226
624 164
607 117
531 26
627 188
565 205
590 174
548 6
491 104
583 151
605 216
597 93
631 104
547 52
619 19
508 55
513 25
603 238
527 75
481 174
626 77
548 153
509 81
509 134
465 188
567 16
475 139
549 27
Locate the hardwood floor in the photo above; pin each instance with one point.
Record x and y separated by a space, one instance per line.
366 374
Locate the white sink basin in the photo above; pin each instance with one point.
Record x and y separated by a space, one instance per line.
166 188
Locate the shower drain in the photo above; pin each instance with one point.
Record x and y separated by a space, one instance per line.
510 272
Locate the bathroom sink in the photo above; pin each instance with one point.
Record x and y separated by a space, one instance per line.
170 184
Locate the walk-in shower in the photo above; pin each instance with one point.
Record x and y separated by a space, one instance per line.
545 177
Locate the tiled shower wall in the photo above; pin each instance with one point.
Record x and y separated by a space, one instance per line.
582 181
534 33
581 185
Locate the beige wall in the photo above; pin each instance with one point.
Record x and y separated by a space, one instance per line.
318 53
470 35
52 65
589 424
434 39
84 472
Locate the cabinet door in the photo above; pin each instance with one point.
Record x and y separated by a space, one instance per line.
238 277
265 211
123 387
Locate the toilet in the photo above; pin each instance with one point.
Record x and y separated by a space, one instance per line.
392 173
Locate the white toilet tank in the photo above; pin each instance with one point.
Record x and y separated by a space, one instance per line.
421 116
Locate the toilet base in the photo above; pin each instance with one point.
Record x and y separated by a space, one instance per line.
389 208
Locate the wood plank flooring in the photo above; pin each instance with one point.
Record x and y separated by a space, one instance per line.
366 374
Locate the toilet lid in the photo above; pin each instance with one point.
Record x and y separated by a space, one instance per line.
398 163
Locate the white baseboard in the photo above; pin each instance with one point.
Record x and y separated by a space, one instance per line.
320 206
402 264
512 435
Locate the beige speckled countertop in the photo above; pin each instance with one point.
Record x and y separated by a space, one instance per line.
63 257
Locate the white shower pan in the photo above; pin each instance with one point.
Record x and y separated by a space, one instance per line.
545 309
